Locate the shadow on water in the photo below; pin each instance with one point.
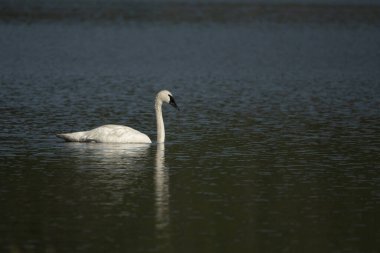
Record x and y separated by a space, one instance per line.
187 11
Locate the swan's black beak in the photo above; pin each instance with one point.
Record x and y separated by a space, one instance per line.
172 102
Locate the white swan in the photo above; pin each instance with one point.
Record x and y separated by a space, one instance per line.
124 134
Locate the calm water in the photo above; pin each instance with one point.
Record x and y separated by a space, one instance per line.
275 149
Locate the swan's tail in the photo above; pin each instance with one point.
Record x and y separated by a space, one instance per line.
73 137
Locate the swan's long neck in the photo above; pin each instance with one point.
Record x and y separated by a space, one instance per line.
160 122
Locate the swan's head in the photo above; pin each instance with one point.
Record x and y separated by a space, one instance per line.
167 97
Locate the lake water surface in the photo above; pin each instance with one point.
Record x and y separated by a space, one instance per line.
275 148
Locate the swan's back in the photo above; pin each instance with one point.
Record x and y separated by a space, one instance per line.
108 133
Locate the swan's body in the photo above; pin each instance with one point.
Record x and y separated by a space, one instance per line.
124 134
108 133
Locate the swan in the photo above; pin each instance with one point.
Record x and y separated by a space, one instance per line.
124 134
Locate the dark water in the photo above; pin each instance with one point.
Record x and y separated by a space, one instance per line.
275 149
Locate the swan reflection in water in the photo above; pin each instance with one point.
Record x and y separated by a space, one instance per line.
110 154
121 167
161 179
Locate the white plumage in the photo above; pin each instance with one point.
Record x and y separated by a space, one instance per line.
108 133
124 134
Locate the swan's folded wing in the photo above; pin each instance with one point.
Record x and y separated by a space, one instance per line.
116 134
